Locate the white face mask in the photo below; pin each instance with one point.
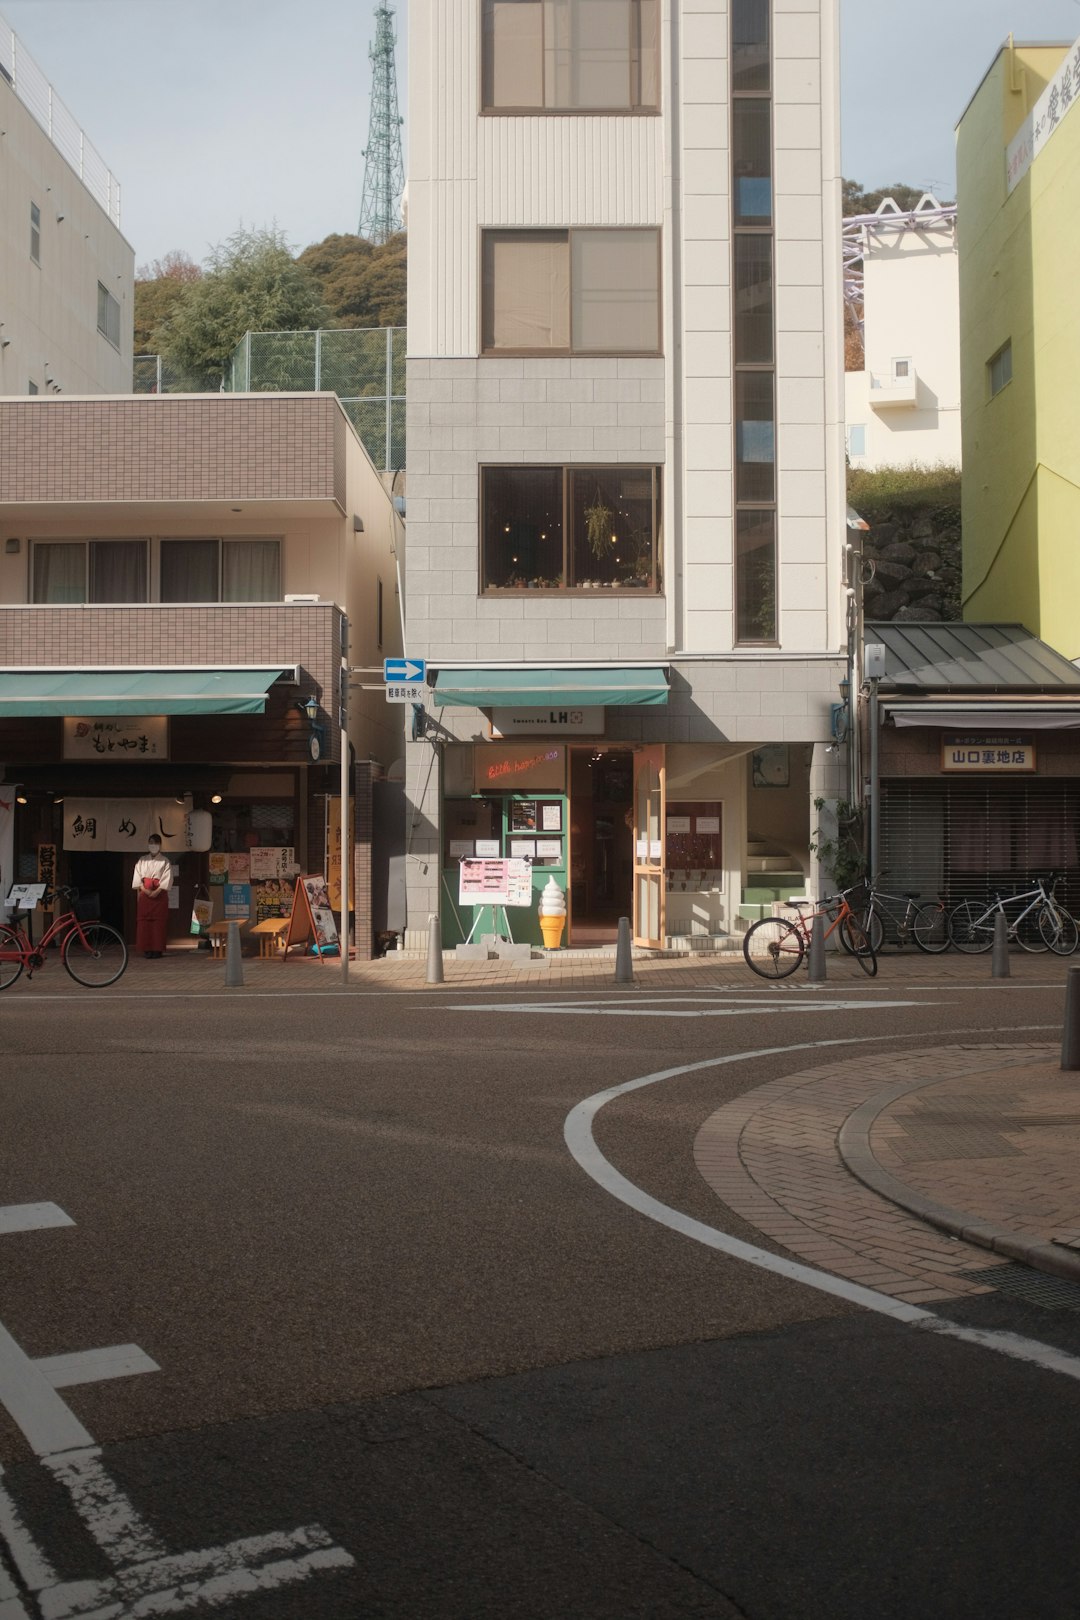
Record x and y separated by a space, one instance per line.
153 849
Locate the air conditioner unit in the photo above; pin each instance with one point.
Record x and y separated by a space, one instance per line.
303 596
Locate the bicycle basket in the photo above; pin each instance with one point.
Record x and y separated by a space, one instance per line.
87 907
858 896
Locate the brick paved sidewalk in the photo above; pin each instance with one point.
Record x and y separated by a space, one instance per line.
902 1172
185 970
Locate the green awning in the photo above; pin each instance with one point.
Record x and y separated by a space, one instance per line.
641 688
33 693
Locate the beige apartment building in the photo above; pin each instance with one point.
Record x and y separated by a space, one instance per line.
66 271
184 581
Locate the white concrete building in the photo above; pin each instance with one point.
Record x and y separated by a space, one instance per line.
626 453
66 272
904 406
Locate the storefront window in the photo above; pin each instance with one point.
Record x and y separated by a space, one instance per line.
694 835
556 528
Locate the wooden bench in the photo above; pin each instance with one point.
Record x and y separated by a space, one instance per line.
219 937
271 935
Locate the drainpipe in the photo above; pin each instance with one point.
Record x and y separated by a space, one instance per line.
875 779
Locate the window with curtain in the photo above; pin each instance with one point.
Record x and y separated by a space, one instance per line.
571 292
108 316
570 528
570 55
89 571
751 156
220 571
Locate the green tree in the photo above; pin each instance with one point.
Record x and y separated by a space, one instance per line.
251 283
362 284
858 201
158 286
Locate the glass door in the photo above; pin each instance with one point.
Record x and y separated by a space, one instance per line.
649 857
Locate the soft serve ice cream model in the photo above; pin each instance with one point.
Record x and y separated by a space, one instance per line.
552 914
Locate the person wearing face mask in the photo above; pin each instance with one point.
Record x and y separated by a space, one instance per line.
153 880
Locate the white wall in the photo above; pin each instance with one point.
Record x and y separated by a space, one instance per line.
912 310
49 310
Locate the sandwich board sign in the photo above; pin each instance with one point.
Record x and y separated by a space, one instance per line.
312 919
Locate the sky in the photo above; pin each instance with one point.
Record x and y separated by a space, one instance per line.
214 113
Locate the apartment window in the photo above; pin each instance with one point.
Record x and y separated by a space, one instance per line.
1000 369
32 388
571 55
89 571
571 292
901 369
570 528
214 570
35 233
108 315
857 439
753 323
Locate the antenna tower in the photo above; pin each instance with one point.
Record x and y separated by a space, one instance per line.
384 171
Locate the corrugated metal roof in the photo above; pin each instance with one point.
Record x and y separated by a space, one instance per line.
970 657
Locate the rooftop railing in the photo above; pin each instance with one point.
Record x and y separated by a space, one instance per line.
33 89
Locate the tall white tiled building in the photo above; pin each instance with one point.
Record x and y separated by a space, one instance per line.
626 454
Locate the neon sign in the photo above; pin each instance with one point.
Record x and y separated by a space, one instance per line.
516 767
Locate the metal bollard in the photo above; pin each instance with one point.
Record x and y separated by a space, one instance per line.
1070 1035
434 950
999 968
816 963
624 960
234 962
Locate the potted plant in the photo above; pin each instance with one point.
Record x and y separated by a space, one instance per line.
598 524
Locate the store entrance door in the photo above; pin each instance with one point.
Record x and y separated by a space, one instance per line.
650 872
601 849
101 874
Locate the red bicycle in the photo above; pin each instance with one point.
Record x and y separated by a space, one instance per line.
93 953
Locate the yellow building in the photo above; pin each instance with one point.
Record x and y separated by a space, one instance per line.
1018 196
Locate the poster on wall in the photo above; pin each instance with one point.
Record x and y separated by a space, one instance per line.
770 766
272 898
237 900
219 867
271 861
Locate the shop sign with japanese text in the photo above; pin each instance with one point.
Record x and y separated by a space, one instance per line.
126 824
133 738
1008 754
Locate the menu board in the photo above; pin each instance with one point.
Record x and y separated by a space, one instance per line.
494 883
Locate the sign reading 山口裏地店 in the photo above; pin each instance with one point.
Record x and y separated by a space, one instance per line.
1042 121
987 754
119 738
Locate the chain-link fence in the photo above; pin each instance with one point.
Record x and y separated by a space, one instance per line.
151 375
364 366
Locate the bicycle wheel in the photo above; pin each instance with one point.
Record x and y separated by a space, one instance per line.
931 930
1028 930
773 948
860 944
971 927
1059 930
95 957
11 964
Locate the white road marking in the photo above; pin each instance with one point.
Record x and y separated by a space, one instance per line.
728 1009
32 1217
34 1568
210 1579
582 1145
147 1581
104 1509
93 1366
33 1403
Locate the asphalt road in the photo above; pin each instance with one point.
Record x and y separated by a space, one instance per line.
414 1362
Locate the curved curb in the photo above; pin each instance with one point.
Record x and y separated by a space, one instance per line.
853 1141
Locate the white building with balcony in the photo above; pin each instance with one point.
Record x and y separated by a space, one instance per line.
626 458
903 408
66 271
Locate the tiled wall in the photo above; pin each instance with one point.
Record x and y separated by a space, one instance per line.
168 448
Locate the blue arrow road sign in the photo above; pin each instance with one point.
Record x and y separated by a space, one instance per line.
396 670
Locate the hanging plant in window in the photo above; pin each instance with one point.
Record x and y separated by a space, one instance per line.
598 525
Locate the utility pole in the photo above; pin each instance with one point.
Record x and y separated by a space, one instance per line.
384 170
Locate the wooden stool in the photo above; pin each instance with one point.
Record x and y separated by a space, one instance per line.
219 938
271 932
